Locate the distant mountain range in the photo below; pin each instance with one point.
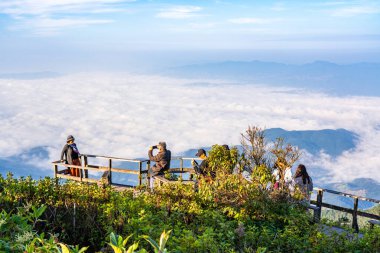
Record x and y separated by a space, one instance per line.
21 165
332 142
350 79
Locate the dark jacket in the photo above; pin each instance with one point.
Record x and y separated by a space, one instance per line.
162 160
201 169
70 153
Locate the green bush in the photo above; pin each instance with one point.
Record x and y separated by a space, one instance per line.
227 215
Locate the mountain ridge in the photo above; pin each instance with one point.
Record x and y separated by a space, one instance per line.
357 78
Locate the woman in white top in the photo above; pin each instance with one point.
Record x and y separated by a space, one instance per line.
287 174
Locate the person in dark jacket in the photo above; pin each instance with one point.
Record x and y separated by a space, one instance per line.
162 158
200 169
203 168
70 155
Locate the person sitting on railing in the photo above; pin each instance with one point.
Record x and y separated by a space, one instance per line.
303 182
70 155
162 158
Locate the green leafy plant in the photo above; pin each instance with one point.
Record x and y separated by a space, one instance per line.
159 247
119 245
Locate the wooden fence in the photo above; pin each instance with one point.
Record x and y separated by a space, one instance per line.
143 166
354 211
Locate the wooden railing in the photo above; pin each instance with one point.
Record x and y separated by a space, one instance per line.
143 163
354 211
143 168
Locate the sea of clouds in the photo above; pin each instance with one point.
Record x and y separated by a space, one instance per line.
121 115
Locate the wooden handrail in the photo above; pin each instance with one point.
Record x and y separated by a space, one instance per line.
115 158
348 195
354 211
85 167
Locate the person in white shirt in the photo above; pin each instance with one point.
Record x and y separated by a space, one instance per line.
282 170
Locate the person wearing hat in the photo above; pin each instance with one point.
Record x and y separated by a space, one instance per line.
70 155
226 147
200 169
162 158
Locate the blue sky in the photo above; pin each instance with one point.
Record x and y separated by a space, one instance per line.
70 30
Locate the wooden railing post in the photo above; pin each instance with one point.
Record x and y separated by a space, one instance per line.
318 213
81 170
85 165
55 173
55 166
109 171
148 174
140 176
181 167
355 225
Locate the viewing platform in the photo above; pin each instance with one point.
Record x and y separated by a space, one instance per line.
115 167
138 171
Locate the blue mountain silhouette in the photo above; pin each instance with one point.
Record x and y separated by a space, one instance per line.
349 79
332 142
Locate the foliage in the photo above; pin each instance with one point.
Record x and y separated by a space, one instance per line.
118 244
286 155
222 160
260 158
254 147
159 247
17 233
225 214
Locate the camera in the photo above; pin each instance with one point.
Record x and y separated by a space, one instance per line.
154 147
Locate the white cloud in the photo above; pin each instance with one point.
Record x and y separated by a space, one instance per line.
48 26
256 21
123 114
355 11
17 8
179 12
56 23
55 15
202 26
279 7
332 3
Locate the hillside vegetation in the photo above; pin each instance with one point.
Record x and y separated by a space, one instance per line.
225 214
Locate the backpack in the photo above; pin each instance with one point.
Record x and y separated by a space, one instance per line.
310 185
74 151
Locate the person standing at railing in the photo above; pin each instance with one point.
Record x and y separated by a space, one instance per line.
283 175
303 182
162 158
200 169
70 155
